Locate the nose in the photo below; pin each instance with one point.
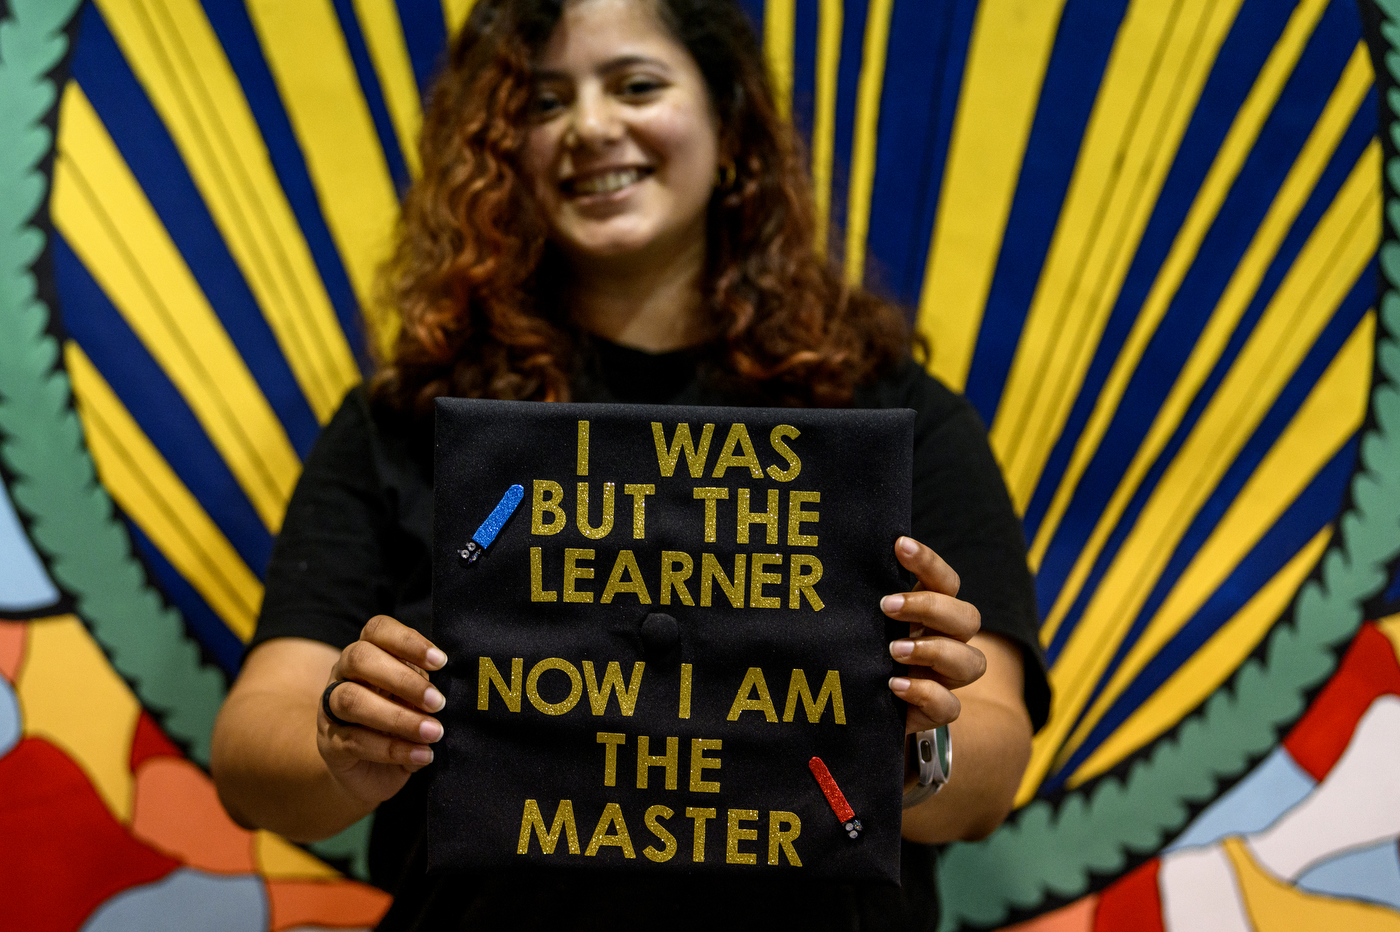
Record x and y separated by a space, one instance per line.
595 120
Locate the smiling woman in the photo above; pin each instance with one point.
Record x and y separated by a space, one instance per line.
611 209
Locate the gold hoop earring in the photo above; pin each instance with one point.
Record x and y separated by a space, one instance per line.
726 174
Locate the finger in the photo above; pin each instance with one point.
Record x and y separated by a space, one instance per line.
934 611
367 663
403 642
931 704
358 705
353 745
949 662
928 567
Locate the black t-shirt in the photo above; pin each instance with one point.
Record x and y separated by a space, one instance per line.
355 542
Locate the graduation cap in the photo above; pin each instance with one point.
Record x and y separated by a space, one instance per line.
666 652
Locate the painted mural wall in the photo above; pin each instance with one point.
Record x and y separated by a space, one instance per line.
1155 242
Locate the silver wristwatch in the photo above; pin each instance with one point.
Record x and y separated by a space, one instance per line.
933 749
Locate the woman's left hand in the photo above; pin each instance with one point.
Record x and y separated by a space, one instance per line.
936 651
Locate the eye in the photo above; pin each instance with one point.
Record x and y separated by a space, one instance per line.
545 103
640 87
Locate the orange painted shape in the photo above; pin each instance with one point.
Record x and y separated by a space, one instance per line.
1076 917
12 637
331 904
1368 671
177 812
1133 903
149 741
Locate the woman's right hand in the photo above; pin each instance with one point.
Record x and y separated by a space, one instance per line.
388 702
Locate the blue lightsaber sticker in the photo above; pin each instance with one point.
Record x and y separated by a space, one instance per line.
492 525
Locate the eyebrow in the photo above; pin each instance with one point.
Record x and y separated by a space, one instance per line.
612 65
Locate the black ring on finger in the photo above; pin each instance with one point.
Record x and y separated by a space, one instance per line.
326 704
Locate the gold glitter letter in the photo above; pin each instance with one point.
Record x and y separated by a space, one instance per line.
797 516
831 688
573 573
782 839
626 560
612 682
610 755
673 579
732 854
639 495
563 819
794 464
666 457
710 571
753 681
583 448
699 815
699 763
738 436
646 760
653 821
757 578
533 681
581 512
487 674
538 593
611 818
805 571
539 504
710 495
685 691
768 518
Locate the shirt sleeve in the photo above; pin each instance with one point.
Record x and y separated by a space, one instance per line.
329 573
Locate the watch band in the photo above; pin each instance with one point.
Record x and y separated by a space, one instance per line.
933 749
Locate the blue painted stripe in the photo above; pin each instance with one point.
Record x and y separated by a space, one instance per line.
218 642
373 93
156 405
847 83
1243 53
754 10
425 34
1271 428
139 134
1181 326
240 42
1073 75
916 122
804 70
1312 510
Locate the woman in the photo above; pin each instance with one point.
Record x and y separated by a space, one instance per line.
610 209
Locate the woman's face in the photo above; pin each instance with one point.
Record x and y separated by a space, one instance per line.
623 149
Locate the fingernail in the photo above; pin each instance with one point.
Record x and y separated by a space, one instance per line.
901 649
892 603
430 731
421 755
899 684
433 700
435 659
907 546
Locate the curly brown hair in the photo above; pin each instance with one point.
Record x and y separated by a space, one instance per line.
475 278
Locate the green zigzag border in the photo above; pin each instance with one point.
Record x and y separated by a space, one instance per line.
71 519
1050 853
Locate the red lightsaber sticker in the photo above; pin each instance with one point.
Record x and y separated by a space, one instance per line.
834 797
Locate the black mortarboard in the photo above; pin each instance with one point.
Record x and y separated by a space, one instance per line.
666 648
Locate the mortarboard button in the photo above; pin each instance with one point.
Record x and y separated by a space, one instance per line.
661 638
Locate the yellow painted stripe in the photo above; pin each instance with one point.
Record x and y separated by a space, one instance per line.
309 60
177 57
1209 667
144 486
1234 300
867 128
379 21
1335 254
1159 64
779 29
1336 117
1332 413
829 25
104 215
1010 48
454 14
1390 627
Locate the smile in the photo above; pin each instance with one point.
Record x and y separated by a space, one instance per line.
605 182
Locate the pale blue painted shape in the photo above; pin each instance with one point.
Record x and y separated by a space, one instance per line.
10 725
186 899
24 584
1371 874
1271 789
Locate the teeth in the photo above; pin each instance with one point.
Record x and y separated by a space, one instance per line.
607 182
